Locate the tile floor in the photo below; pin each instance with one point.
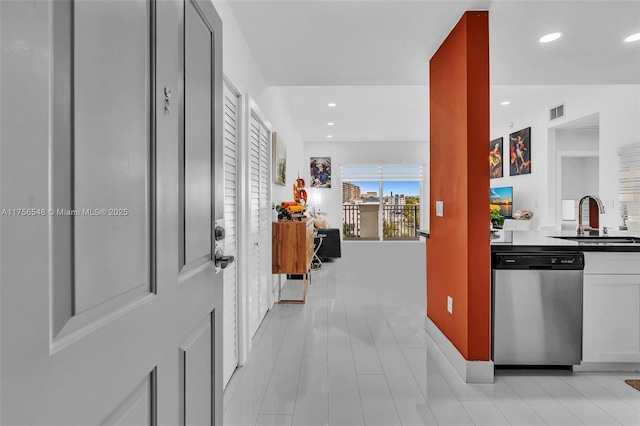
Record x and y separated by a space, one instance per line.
357 354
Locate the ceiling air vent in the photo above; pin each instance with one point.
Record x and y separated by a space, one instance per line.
556 112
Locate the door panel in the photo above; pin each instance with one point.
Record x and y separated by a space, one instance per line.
195 376
137 408
611 318
93 309
197 135
111 149
101 146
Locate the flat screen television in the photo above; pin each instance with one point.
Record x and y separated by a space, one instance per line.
503 197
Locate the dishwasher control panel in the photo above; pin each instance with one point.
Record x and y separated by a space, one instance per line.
540 260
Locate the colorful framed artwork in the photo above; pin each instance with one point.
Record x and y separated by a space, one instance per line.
495 158
279 150
320 168
520 152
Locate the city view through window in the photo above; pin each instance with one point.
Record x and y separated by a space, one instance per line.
366 214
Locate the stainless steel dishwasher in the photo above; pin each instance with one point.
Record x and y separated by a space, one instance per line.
537 308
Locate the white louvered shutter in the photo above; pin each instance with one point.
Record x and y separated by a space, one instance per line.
260 251
254 214
265 221
230 281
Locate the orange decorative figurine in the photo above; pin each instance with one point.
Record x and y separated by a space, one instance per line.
299 194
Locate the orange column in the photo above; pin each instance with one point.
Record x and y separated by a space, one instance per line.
458 248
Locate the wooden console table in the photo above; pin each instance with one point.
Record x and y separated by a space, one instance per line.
292 252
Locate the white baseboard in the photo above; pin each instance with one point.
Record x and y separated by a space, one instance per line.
622 367
470 371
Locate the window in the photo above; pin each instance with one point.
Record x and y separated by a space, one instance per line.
381 201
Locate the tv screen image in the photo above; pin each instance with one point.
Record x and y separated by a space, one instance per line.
502 197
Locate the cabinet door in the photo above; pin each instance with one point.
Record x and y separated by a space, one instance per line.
611 318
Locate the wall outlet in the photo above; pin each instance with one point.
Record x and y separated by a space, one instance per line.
440 208
450 304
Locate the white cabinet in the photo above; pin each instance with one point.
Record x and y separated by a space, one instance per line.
611 327
611 314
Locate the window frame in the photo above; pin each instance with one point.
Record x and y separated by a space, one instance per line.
383 173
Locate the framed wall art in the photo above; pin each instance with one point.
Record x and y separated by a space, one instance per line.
520 152
495 158
320 168
279 150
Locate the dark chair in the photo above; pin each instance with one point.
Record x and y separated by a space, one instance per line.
330 247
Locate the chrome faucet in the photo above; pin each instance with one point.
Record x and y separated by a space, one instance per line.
581 227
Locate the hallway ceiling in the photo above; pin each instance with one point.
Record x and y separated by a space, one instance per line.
369 56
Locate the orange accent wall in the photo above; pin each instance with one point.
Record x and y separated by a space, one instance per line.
458 248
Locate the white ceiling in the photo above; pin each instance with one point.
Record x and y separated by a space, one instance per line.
372 57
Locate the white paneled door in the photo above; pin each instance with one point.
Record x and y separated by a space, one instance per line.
260 249
230 275
111 148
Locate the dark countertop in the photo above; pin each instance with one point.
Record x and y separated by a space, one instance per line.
528 241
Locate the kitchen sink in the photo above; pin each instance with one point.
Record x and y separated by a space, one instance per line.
601 239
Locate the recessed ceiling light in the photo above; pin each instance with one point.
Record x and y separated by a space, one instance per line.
505 103
332 104
550 37
329 124
632 37
329 136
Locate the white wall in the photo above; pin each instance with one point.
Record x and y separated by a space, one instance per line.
619 111
580 177
274 105
578 139
238 62
578 166
241 69
329 200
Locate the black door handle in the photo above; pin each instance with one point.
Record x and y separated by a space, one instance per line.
224 261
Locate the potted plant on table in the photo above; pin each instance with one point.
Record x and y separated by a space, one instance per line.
497 220
523 215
